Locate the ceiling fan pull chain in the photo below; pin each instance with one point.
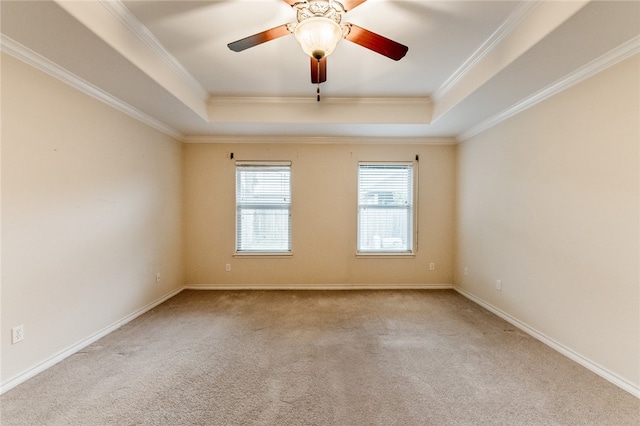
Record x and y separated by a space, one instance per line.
318 89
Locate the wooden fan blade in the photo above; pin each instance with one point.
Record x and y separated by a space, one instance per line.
376 42
256 39
350 4
318 70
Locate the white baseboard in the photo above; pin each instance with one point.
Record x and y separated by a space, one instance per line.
23 377
590 365
564 350
318 287
31 372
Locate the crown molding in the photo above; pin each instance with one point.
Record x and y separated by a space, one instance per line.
616 55
531 24
120 11
109 24
318 140
26 55
391 110
311 100
515 18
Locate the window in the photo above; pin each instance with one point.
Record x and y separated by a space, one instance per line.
385 208
263 208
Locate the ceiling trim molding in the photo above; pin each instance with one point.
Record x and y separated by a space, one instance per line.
26 55
410 110
619 54
515 18
120 11
319 140
306 100
111 29
531 28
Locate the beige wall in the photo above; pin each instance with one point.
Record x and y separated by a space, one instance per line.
549 204
95 203
91 210
324 207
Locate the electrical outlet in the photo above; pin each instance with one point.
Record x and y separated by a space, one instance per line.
466 271
498 285
17 334
227 267
432 266
157 277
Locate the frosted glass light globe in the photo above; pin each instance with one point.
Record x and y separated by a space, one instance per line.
318 36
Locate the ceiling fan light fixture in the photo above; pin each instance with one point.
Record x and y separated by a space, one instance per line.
318 36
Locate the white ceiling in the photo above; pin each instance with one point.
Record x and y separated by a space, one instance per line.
469 62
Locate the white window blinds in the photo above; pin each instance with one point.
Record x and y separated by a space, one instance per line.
385 208
263 206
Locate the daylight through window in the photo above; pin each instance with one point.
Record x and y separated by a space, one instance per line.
385 208
263 207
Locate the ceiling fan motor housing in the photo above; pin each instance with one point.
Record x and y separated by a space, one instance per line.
319 8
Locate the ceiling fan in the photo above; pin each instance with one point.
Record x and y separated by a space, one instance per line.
318 29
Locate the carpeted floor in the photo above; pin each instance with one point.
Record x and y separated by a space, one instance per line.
318 358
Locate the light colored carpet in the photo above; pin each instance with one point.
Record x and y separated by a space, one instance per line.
318 358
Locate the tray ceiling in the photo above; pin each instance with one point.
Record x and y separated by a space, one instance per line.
469 62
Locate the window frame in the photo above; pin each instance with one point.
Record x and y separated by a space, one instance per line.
260 253
413 216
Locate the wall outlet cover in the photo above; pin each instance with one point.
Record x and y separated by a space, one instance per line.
17 334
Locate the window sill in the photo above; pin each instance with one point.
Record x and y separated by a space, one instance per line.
263 254
364 255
